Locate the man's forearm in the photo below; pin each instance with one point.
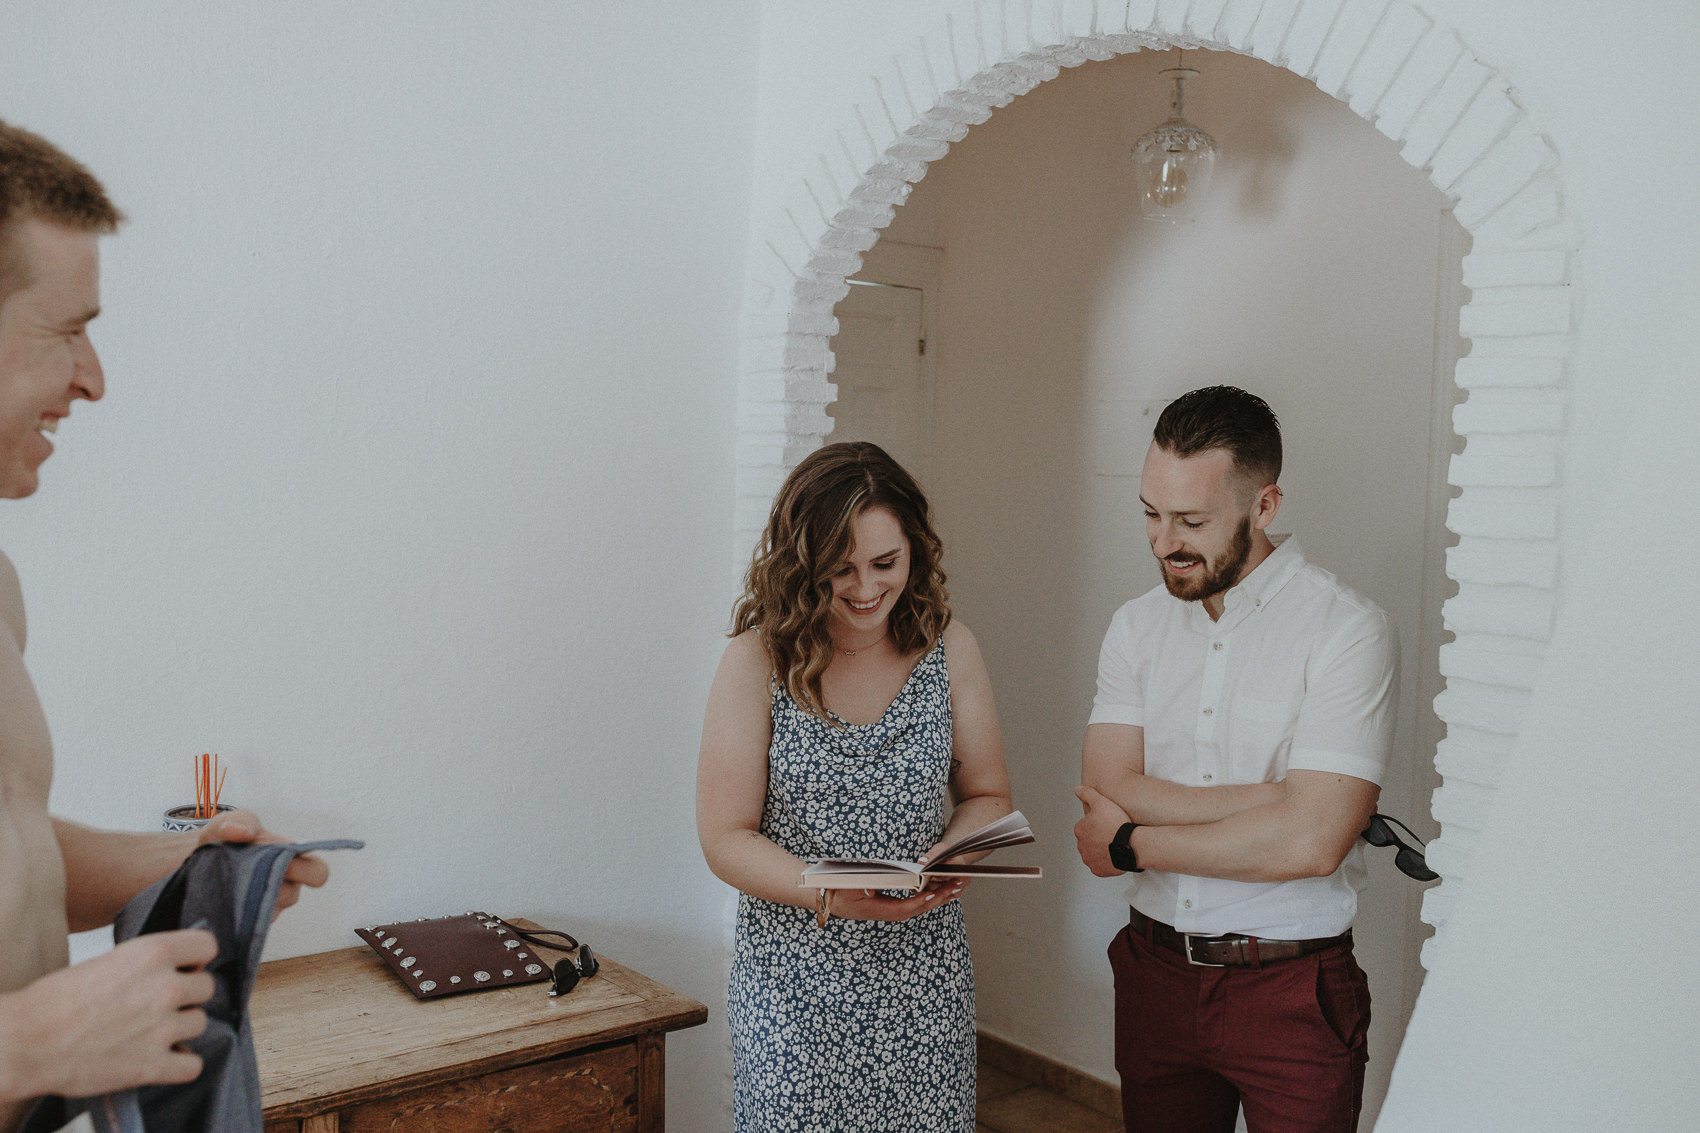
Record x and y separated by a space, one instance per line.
1249 846
16 1082
1158 802
104 869
1305 833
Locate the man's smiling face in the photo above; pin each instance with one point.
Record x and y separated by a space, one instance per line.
46 359
1199 515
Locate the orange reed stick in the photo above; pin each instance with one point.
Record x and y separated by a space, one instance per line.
209 784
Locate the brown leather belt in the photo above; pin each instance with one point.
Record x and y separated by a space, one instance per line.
1227 951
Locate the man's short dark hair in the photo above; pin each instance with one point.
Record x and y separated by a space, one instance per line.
38 179
1224 417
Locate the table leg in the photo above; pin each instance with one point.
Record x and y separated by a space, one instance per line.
652 1083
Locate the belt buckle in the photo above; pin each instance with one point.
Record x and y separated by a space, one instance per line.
1189 937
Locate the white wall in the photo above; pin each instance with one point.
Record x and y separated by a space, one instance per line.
1576 1033
1564 997
1608 83
1312 277
410 494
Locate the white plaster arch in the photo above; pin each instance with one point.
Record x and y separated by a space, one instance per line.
1416 81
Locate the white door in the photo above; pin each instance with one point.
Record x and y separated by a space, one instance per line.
883 396
885 360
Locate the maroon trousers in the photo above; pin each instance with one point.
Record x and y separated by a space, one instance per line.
1287 1040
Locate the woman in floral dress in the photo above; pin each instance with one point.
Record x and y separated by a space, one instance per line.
850 717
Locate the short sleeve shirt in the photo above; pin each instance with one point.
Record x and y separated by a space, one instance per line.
1299 672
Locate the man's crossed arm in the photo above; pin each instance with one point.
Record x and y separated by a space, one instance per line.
1301 827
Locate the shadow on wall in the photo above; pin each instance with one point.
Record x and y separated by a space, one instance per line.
1265 152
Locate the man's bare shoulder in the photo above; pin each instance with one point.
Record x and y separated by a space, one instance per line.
11 601
26 752
32 872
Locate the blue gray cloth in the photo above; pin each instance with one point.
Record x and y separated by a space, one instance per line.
229 889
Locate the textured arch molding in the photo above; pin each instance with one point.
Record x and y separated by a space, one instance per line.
1415 81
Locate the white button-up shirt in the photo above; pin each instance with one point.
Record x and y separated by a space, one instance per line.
1299 672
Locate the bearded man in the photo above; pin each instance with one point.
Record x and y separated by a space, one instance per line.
1237 743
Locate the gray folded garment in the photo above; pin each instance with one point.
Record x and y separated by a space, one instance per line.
229 889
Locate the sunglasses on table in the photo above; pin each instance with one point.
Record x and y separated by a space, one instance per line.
569 970
1410 861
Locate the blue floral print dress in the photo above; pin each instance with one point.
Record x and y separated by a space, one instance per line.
863 1026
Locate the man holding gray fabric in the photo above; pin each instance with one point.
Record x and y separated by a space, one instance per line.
114 1021
1242 726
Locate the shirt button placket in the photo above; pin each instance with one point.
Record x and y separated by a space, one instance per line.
1215 674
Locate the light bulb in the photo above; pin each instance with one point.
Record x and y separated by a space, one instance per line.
1168 184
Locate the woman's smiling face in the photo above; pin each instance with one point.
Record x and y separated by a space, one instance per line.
872 577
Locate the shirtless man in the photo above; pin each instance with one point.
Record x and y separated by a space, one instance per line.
114 1021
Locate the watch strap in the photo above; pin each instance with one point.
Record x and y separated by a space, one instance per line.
1122 855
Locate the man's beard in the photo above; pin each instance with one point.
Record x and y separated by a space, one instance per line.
1216 577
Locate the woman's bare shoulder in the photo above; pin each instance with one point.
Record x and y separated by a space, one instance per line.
962 654
959 638
746 656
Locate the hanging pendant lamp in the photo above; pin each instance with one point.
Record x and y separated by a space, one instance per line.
1174 160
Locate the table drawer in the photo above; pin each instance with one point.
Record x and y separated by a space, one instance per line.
587 1092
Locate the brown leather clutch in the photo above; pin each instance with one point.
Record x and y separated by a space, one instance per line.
448 955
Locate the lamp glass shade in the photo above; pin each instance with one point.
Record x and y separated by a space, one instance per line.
1173 163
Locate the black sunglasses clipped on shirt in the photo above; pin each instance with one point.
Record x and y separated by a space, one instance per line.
1410 861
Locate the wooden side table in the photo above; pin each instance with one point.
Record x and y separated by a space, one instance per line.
344 1048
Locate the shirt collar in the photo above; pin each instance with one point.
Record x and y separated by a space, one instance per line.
1262 584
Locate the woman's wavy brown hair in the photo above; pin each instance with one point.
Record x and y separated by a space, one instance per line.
788 588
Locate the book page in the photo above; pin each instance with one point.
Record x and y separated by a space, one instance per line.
1010 830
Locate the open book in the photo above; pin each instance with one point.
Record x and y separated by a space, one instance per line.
879 873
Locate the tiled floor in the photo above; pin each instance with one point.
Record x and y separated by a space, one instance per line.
1008 1104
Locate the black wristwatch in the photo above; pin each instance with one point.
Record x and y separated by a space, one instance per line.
1121 849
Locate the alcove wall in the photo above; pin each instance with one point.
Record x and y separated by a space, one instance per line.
1323 274
1452 118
